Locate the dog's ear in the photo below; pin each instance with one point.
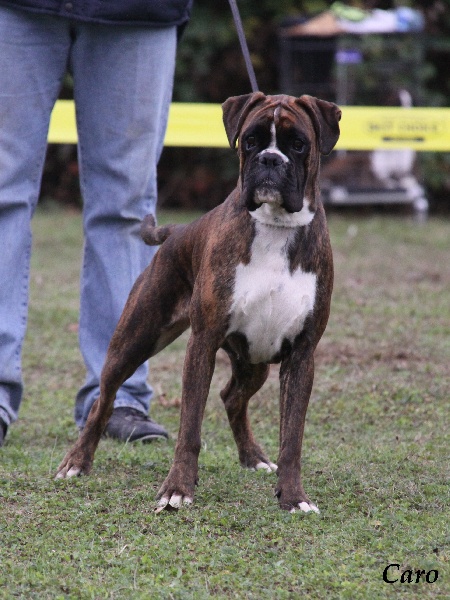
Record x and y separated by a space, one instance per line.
325 117
235 111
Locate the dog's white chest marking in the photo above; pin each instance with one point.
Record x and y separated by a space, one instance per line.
270 303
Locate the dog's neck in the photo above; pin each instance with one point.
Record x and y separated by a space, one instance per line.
273 214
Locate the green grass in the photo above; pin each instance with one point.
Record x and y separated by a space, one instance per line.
376 448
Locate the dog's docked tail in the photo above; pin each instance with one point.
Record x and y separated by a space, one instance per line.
155 236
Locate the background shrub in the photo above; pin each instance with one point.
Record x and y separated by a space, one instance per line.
210 68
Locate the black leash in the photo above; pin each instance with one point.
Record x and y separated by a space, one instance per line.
244 47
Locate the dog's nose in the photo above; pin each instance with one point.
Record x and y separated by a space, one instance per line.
270 159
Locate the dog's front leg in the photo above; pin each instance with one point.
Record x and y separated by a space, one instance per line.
296 380
179 486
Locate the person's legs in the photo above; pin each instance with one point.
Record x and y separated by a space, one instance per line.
33 59
123 79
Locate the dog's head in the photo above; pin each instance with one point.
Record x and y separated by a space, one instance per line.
280 139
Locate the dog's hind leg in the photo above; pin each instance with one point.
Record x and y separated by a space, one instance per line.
79 458
246 380
140 333
117 369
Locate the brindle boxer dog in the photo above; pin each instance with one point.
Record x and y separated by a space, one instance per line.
253 276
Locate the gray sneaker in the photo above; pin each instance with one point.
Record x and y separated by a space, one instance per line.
130 425
3 430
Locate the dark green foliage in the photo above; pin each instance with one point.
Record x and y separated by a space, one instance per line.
210 68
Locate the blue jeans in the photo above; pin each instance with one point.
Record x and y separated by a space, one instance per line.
123 78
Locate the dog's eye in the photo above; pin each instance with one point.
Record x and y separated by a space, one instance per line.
250 142
298 145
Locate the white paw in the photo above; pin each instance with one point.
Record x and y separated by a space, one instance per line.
305 507
176 501
270 467
73 472
66 474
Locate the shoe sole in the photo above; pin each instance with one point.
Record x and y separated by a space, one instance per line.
145 439
149 438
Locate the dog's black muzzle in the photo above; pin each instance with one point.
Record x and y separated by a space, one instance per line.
270 160
272 180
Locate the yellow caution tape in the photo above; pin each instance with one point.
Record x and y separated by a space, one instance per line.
63 129
369 128
362 127
198 125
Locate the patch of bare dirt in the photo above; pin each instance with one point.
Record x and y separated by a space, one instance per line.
332 353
